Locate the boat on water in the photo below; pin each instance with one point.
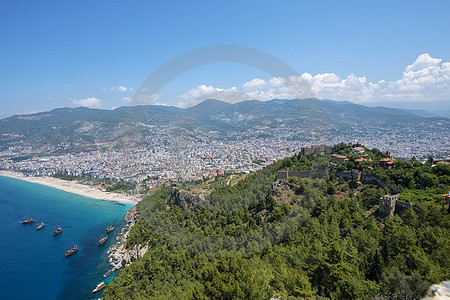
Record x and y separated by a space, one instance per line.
72 250
42 225
28 220
110 228
99 286
57 231
102 240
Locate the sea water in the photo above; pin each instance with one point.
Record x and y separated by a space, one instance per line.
32 262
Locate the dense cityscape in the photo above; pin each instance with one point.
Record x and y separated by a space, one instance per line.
173 157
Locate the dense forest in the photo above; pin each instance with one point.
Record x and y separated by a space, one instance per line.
315 238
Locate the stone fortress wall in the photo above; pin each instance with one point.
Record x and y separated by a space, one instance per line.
348 175
389 204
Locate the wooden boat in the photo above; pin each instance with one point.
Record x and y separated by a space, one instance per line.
99 286
72 250
42 225
57 231
28 221
102 240
110 228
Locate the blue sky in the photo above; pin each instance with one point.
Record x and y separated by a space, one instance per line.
62 53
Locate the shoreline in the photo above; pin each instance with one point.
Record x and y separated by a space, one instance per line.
72 187
119 256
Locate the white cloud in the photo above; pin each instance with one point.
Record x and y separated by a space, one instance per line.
254 84
203 92
426 79
126 99
424 61
161 104
180 104
257 88
145 96
91 102
120 88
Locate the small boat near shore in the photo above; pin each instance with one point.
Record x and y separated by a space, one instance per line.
72 250
110 228
28 221
99 286
42 225
102 240
57 231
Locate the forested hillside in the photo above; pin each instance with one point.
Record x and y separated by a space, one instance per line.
297 238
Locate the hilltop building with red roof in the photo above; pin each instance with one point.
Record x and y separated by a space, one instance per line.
387 163
358 150
336 158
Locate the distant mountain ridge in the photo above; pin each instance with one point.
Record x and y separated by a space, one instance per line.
87 126
442 113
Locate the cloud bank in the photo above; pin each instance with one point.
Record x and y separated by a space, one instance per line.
91 102
427 79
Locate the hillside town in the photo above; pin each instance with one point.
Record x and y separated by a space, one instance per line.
176 162
182 158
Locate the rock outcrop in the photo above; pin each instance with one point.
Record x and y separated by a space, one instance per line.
119 257
184 199
439 291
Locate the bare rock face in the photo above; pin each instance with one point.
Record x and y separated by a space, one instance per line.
439 291
135 254
142 252
126 260
184 198
119 257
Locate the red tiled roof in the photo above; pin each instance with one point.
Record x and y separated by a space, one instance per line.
362 159
338 156
387 161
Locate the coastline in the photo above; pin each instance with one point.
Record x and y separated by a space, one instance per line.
73 187
119 256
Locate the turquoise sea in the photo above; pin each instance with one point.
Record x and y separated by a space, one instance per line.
32 262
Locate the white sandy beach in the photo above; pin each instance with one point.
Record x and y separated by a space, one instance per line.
73 187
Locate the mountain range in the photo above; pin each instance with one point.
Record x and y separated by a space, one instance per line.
210 118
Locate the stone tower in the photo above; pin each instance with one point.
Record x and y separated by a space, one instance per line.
387 205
